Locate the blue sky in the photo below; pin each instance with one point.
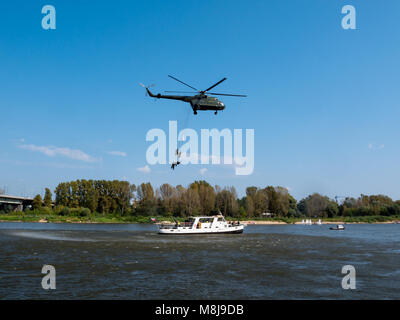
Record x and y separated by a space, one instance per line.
323 101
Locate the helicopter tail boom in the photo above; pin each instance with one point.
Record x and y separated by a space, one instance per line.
171 97
150 93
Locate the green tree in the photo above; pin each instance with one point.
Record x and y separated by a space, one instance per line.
191 202
146 199
62 194
97 195
292 206
273 200
332 209
251 191
317 205
47 198
226 202
260 200
37 202
249 206
168 197
206 196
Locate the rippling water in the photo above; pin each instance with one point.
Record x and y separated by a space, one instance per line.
134 262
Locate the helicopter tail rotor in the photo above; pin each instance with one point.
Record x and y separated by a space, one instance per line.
150 86
147 87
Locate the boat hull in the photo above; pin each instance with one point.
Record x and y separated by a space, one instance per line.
235 230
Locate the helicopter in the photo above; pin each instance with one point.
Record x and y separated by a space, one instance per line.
200 101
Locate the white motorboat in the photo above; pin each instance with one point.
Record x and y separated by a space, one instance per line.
202 225
338 227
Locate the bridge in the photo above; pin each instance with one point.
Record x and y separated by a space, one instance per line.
14 203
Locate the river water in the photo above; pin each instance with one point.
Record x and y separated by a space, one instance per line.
130 261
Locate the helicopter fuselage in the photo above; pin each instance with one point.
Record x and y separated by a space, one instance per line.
198 102
204 102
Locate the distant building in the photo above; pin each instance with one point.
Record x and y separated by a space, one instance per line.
267 214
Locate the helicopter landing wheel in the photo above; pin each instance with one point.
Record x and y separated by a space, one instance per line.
215 112
195 112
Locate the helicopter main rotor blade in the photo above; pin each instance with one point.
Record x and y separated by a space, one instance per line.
227 94
182 82
215 84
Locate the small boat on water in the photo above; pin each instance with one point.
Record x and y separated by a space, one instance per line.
202 225
338 227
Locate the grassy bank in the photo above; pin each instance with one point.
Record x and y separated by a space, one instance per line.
108 218
111 218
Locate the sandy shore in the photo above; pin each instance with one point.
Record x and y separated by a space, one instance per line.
262 222
258 222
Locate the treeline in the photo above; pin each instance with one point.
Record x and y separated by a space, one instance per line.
201 198
97 195
374 205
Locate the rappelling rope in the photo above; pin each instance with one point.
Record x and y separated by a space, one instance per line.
185 124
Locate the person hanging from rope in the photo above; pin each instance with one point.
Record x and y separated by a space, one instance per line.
174 164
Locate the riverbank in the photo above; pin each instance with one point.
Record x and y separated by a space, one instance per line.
145 219
72 219
323 222
333 220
